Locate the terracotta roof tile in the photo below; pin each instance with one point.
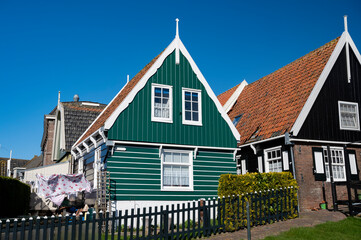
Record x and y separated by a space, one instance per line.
99 122
223 97
271 105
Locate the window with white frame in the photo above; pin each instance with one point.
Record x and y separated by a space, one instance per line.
348 115
338 163
162 103
273 160
177 170
192 106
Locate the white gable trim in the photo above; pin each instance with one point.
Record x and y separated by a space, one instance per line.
153 69
77 141
319 84
232 100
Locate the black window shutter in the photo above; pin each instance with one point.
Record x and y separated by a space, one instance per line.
352 159
319 169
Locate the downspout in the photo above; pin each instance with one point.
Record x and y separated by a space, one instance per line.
289 143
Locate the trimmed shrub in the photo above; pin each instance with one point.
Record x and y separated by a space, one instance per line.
15 197
257 188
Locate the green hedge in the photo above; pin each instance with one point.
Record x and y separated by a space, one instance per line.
15 197
241 186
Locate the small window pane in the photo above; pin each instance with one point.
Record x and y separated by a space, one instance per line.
176 157
167 157
158 92
195 106
195 116
188 115
166 92
187 105
194 96
187 95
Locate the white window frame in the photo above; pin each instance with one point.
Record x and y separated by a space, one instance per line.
268 160
188 122
160 119
327 170
190 174
357 128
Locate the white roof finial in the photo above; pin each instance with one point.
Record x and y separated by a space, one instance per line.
345 22
59 97
177 31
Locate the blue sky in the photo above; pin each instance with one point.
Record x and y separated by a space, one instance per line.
88 48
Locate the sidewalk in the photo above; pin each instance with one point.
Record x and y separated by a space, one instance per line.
306 219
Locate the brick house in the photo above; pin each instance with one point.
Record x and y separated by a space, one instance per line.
64 125
295 118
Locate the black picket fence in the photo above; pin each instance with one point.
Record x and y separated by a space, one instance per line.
180 221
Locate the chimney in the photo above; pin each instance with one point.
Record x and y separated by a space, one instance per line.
76 98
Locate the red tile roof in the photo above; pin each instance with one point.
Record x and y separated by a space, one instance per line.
271 105
99 122
223 97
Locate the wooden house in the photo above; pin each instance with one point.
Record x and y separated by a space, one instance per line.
163 138
304 118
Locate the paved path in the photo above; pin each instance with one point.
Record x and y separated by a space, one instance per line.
306 219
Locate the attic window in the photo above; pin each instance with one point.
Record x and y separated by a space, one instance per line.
348 116
162 103
192 106
236 119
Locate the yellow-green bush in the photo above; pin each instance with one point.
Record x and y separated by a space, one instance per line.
15 197
242 188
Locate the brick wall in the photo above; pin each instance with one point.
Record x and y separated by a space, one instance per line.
310 192
49 143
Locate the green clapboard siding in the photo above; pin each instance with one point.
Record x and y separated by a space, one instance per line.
134 123
136 175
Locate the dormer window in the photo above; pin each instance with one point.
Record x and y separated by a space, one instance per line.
192 106
349 116
236 120
162 103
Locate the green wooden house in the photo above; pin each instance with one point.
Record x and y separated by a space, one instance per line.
164 136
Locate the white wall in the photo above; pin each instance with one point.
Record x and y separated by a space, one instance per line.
57 168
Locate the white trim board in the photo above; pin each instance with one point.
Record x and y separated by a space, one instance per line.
176 43
345 38
233 98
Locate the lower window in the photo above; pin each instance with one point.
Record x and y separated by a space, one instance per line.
273 160
338 164
177 170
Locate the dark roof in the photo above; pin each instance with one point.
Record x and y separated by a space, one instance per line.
77 118
271 105
117 101
37 161
16 162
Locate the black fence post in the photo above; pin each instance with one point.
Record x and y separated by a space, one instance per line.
100 223
37 228
23 223
52 227
248 221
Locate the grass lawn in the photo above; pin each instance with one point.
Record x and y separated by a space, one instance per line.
349 228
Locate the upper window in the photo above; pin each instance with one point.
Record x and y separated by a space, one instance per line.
162 103
177 170
338 164
273 160
349 117
192 106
